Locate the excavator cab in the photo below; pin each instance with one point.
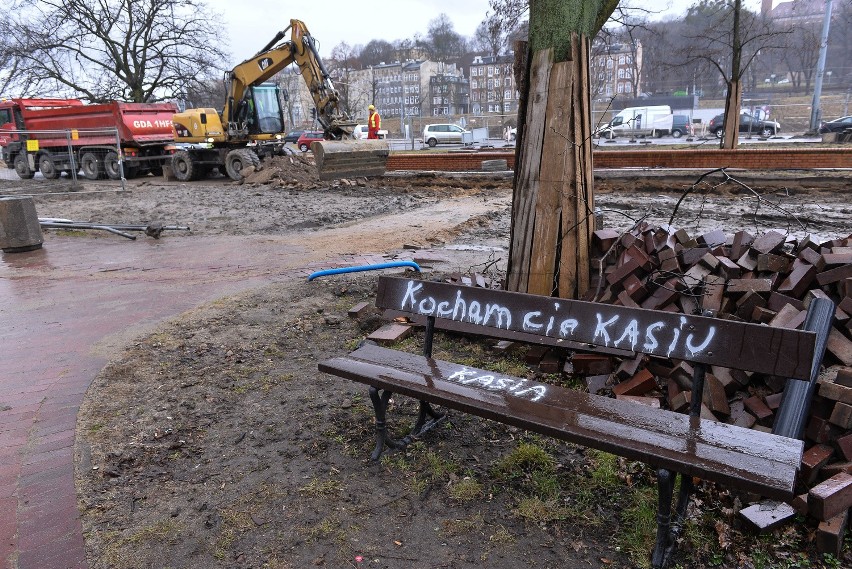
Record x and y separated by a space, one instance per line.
259 113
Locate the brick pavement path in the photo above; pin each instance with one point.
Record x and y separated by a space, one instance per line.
64 310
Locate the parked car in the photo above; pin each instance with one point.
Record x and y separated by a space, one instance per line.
681 125
748 123
306 138
837 125
293 135
435 134
361 131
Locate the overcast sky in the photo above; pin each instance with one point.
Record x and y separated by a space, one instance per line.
250 24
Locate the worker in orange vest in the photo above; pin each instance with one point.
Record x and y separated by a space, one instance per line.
374 123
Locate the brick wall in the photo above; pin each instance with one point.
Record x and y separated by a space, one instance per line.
753 159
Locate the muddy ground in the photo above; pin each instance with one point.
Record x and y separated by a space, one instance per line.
214 442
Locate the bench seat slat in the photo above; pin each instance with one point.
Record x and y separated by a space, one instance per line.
742 458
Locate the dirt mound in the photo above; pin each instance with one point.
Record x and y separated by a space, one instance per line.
290 171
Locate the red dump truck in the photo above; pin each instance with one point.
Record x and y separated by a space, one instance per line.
53 136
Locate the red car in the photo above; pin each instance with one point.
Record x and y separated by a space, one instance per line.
304 142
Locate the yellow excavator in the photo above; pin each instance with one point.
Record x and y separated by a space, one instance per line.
251 124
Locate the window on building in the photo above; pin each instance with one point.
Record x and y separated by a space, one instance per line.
490 71
507 94
507 82
609 63
621 60
629 59
620 88
621 73
609 90
628 88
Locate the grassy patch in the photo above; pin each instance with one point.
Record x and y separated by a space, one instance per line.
462 526
321 488
466 490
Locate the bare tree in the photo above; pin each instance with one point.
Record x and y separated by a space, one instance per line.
802 53
132 50
377 52
492 34
728 38
341 65
442 41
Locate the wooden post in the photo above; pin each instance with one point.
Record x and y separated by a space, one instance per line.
19 227
553 206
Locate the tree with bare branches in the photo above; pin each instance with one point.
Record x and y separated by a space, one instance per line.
130 50
728 38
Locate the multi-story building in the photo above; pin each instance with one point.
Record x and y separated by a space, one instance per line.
616 70
405 89
492 85
449 94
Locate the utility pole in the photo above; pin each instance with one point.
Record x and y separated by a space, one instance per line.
823 48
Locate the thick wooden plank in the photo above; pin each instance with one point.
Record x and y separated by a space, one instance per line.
556 154
743 458
750 347
527 182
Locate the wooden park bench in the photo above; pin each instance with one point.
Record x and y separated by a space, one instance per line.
672 443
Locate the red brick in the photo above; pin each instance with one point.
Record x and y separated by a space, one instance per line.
813 257
829 536
842 416
758 408
813 459
844 377
831 497
769 242
591 364
639 384
834 275
799 279
778 300
840 347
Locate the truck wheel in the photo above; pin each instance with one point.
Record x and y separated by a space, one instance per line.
184 169
130 171
236 161
22 167
47 167
111 166
91 165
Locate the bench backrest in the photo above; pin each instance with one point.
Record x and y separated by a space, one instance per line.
586 325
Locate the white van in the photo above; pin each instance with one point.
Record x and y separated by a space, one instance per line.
639 121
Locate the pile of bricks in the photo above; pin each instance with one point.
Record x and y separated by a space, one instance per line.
768 279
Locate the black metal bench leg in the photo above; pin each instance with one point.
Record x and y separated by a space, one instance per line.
380 407
665 490
669 527
422 425
380 401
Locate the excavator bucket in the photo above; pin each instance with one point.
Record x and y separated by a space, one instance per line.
350 159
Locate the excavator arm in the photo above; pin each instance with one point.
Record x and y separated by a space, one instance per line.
275 56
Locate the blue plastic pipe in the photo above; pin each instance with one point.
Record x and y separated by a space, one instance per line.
390 265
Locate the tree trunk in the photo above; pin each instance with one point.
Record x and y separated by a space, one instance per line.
732 115
553 207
